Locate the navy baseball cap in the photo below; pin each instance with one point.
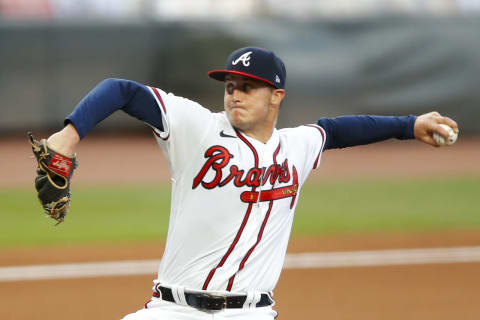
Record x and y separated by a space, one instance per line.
256 63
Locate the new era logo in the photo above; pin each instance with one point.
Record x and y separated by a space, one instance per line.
277 78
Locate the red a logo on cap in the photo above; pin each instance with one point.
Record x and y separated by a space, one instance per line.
245 58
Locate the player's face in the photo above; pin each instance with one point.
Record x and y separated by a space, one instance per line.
251 105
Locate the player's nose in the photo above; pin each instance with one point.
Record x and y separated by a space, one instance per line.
237 94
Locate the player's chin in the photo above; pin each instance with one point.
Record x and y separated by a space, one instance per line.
236 118
236 124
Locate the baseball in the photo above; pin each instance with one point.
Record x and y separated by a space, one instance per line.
440 141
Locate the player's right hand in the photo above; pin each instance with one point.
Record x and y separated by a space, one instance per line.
429 123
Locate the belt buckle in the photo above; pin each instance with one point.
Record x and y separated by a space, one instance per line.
214 302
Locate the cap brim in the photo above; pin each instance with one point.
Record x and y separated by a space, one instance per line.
221 74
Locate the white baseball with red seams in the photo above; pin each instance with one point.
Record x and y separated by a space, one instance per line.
233 198
452 136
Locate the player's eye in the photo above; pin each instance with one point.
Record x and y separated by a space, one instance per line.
247 87
229 88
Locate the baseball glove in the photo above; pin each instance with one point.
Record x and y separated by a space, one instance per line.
52 182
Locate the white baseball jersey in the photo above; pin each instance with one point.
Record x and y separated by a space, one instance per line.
233 198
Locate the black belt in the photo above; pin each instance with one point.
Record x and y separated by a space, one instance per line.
213 302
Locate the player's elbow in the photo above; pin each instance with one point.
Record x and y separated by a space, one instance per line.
123 87
111 82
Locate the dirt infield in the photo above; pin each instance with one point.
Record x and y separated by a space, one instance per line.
121 159
435 291
421 292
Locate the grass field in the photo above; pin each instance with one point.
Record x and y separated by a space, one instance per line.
140 213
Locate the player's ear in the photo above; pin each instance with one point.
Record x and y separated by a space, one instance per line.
277 96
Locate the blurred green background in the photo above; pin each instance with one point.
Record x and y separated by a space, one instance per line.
139 213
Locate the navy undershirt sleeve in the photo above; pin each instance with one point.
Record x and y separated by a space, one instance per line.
111 95
349 131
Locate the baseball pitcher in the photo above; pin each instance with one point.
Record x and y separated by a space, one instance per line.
236 180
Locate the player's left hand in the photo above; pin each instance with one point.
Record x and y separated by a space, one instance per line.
429 123
54 172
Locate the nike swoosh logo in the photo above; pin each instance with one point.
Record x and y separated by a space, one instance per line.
222 134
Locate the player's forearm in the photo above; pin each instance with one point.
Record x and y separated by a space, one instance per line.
349 131
109 96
